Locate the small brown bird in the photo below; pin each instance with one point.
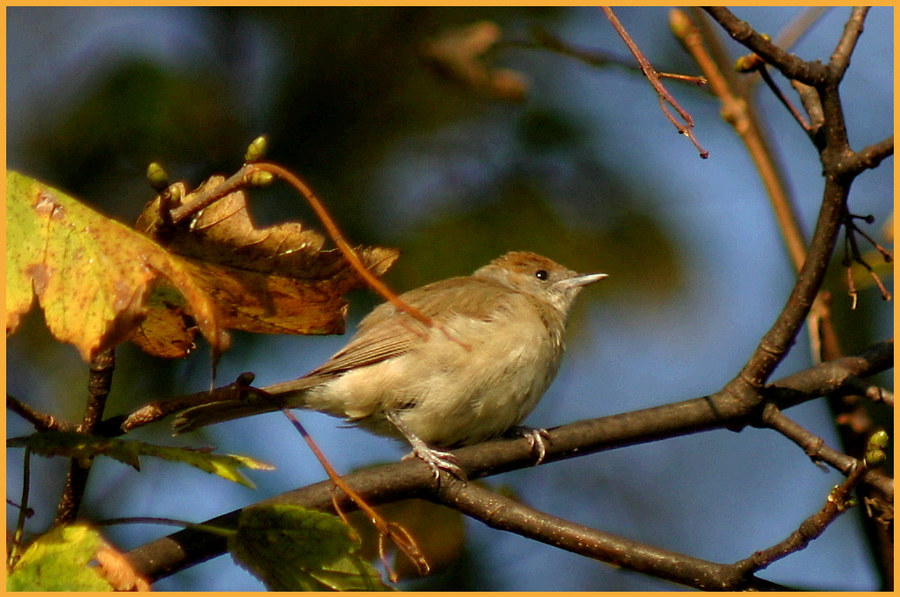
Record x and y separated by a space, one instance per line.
474 376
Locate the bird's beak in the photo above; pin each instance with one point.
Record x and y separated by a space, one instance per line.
583 280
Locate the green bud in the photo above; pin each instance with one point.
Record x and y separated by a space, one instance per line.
157 176
260 178
257 150
874 456
748 63
879 439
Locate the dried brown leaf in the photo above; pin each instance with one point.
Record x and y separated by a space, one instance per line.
459 54
276 279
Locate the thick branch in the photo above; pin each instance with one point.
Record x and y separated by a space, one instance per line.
774 345
505 514
414 478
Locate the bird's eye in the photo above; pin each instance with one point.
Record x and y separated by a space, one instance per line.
541 274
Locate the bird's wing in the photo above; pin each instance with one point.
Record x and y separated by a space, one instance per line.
383 335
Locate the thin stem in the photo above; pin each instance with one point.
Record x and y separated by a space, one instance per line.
23 511
764 73
40 421
687 126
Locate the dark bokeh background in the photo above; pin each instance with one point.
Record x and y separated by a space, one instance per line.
587 170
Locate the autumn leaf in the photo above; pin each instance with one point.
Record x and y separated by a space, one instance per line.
91 275
79 445
459 54
58 561
265 280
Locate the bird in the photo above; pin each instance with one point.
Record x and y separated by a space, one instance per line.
492 350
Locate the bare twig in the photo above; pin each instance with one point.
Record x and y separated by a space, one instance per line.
868 158
19 536
764 73
345 248
40 421
401 538
853 28
686 126
837 503
738 110
233 183
544 40
240 389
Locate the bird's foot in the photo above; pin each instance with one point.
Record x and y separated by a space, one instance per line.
537 440
435 459
438 461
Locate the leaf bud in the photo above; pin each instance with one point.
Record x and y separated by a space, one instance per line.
157 176
256 150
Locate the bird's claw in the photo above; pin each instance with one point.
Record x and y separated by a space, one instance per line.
438 461
537 440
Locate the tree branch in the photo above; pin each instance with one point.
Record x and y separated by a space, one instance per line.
413 478
99 383
505 514
853 28
792 67
774 345
869 157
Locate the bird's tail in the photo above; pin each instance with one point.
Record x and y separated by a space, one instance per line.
271 398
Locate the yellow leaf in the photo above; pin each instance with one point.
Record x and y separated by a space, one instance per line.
91 274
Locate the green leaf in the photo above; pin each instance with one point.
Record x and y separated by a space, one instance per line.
78 445
294 549
58 561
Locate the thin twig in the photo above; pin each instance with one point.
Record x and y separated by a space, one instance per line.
811 528
686 127
40 421
853 28
764 73
401 538
867 158
348 252
23 511
198 202
544 40
791 66
738 110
